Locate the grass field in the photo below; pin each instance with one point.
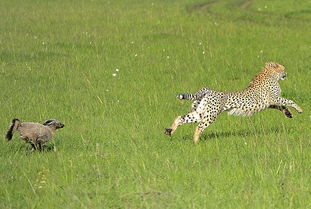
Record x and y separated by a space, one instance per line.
110 71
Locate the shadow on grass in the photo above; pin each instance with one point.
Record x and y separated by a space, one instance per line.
239 133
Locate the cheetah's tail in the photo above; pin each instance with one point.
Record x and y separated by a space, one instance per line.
185 96
12 129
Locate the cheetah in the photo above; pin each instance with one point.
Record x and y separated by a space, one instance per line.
263 92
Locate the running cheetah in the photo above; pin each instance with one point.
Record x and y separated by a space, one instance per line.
263 92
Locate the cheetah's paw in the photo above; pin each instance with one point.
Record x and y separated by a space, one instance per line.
168 131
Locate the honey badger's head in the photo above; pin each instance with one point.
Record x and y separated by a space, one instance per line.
53 123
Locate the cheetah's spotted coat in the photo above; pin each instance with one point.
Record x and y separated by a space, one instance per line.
263 92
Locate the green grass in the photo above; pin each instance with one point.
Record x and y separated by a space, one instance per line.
57 59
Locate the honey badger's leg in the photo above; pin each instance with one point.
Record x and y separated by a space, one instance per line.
192 117
35 143
34 148
39 145
283 109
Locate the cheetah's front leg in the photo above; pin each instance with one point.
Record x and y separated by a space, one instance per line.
283 109
283 102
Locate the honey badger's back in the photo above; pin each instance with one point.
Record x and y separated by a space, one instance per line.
34 132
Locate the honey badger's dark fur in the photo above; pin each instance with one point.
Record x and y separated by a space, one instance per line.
34 133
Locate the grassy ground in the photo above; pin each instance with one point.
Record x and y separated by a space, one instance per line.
57 60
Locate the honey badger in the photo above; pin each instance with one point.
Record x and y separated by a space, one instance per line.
34 133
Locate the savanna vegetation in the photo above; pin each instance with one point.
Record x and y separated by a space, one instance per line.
111 70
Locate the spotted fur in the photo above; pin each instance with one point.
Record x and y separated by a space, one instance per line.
263 92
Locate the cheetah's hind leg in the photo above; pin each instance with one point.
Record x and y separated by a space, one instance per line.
202 126
192 117
170 131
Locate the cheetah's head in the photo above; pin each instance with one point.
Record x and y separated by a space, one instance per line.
276 70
